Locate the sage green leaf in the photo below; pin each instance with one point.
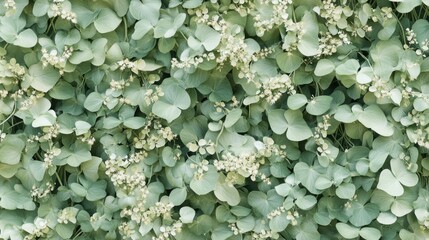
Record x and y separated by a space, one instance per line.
324 67
37 169
319 105
388 183
141 28
192 3
90 168
296 101
82 127
363 214
279 223
347 231
277 121
187 214
386 218
78 189
26 39
96 191
165 110
264 203
344 114
146 9
106 21
345 190
167 27
11 148
370 233
406 7
386 56
421 104
43 78
323 183
232 117
289 62
8 171
306 203
307 176
373 117
308 45
178 196
65 231
62 91
349 67
365 75
227 192
297 128
209 37
134 122
93 102
40 8
207 183
170 105
77 157
401 173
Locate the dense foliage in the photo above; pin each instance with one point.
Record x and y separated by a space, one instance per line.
230 119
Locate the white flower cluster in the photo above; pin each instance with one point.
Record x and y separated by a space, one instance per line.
126 230
419 131
151 95
413 44
293 216
87 138
234 228
348 204
268 148
169 232
123 175
329 43
32 97
264 234
63 11
67 215
246 164
49 132
3 93
2 135
412 166
379 87
15 68
49 156
279 16
293 36
333 13
54 59
38 193
201 168
37 230
153 135
422 137
383 14
273 88
276 212
140 214
10 4
202 146
193 61
321 132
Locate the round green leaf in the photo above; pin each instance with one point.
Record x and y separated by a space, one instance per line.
324 67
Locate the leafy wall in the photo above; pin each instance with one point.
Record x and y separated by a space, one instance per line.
265 119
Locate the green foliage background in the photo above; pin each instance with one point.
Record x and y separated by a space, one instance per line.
191 119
